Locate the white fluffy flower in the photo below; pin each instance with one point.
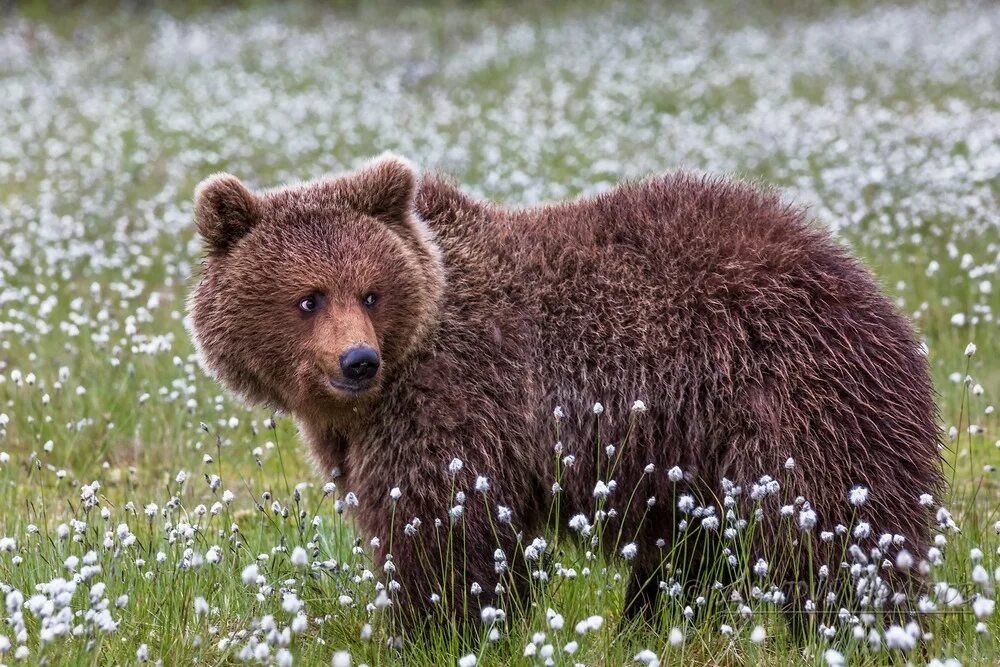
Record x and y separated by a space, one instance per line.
250 574
299 557
200 606
648 658
897 637
833 657
685 503
983 607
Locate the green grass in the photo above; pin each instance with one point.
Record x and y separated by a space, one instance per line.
883 119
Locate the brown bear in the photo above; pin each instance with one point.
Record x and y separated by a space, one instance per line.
405 325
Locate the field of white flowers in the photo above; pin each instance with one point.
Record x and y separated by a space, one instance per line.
147 517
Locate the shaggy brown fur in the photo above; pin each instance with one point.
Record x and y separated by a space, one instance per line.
750 334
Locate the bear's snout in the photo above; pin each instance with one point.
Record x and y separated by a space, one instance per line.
359 364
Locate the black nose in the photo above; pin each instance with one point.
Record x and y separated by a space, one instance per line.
359 363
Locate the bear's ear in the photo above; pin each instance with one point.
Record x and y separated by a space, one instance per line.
384 188
224 211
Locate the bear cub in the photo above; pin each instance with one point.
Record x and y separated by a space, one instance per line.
667 359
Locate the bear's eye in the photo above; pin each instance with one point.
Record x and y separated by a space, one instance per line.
369 299
309 304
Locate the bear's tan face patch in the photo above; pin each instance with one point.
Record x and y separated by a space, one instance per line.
341 330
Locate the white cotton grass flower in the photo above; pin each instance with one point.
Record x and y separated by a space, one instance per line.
291 603
341 659
898 638
580 523
250 574
675 474
983 608
686 503
859 496
949 595
970 350
638 407
589 624
598 409
299 557
490 615
647 657
455 466
629 551
758 634
676 637
833 658
807 519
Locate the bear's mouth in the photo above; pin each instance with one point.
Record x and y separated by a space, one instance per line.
352 388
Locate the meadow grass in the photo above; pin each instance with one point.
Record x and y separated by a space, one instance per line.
147 516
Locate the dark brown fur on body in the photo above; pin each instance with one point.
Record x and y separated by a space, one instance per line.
751 336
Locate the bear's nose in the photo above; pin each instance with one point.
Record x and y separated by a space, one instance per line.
359 363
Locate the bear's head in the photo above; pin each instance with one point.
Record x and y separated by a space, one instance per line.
311 295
